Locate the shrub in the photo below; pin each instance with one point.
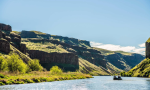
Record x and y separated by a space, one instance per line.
35 65
16 64
3 64
28 81
2 76
2 83
55 70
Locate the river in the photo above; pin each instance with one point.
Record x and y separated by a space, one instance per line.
96 83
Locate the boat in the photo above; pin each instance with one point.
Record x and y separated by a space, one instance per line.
117 78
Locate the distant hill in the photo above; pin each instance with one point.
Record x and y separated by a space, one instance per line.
108 61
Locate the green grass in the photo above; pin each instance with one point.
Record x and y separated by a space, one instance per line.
36 76
148 40
46 46
89 68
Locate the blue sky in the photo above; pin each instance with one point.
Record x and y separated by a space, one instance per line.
108 24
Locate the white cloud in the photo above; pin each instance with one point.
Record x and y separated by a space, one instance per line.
142 45
140 50
119 48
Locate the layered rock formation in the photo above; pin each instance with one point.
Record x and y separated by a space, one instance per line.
66 61
90 55
147 44
70 41
44 57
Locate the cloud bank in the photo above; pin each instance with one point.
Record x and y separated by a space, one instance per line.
140 49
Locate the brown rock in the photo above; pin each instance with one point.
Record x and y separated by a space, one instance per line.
16 40
1 34
23 48
64 58
4 46
147 50
5 27
8 38
15 35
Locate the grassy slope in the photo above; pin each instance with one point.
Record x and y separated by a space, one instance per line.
140 70
87 67
47 46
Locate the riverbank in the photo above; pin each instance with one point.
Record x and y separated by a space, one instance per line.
36 77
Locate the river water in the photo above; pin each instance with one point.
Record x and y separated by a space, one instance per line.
96 83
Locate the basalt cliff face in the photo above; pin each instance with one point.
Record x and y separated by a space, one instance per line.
82 49
49 59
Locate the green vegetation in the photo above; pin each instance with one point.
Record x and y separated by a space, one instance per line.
43 46
55 70
89 68
140 70
36 76
3 64
16 64
35 65
13 63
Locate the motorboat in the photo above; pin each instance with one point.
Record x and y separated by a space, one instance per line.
117 78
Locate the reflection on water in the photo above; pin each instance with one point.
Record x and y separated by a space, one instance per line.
96 83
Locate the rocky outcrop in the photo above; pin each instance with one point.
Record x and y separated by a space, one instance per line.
4 46
147 44
8 37
5 27
1 36
44 57
28 34
22 48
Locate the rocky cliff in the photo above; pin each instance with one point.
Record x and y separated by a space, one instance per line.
108 60
37 34
49 59
90 55
7 37
147 44
5 27
12 41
